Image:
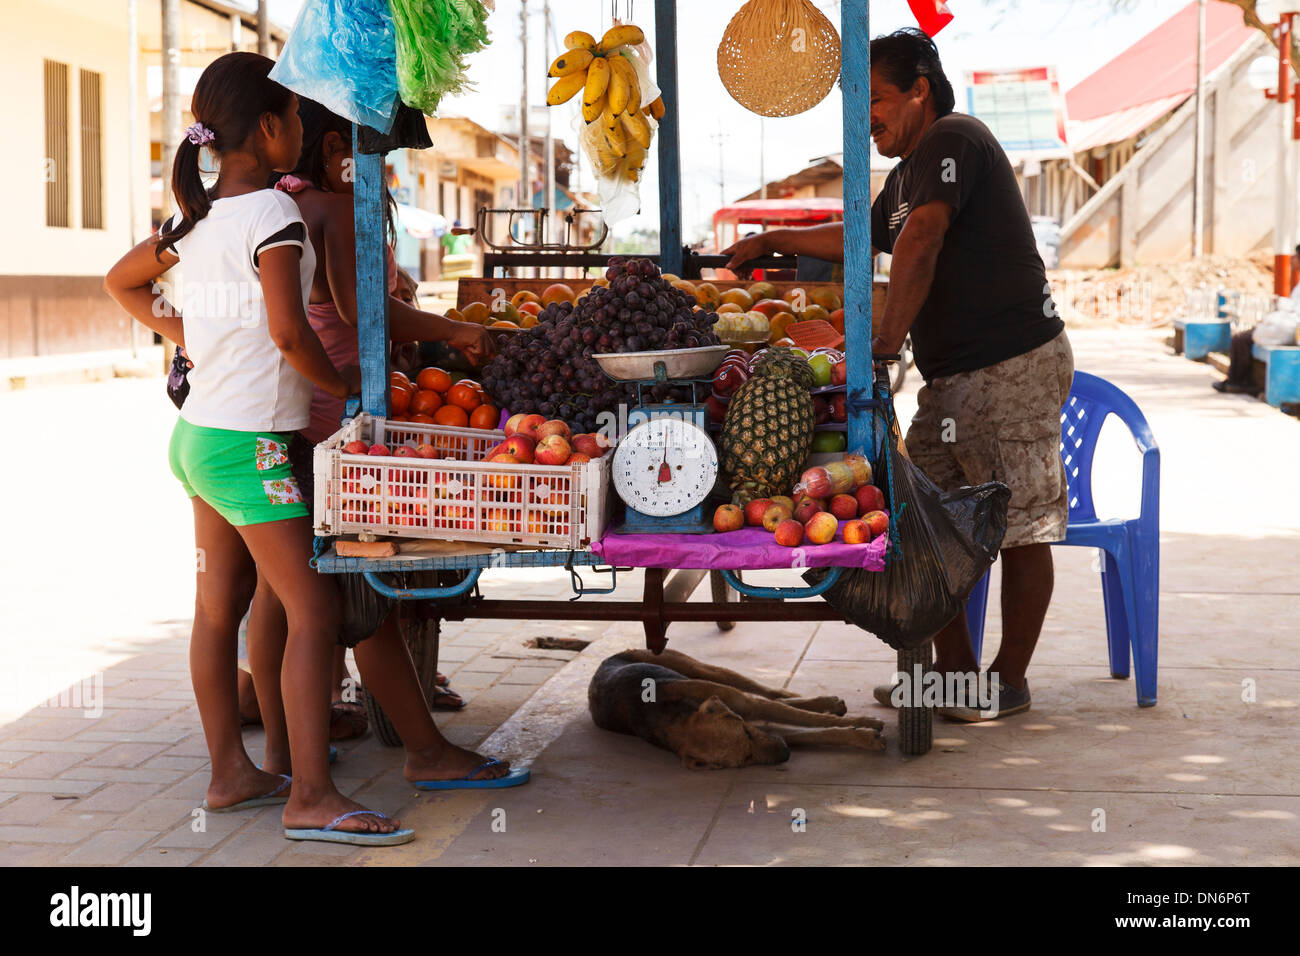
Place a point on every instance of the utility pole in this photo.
(1283, 235)
(549, 201)
(722, 173)
(263, 29)
(1198, 176)
(525, 192)
(762, 166)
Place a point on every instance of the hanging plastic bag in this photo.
(433, 39)
(947, 542)
(618, 178)
(342, 54)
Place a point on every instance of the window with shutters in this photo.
(57, 165)
(92, 153)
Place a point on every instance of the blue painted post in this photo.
(670, 159)
(372, 278)
(855, 75)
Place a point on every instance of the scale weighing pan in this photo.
(694, 363)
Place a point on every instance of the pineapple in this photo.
(768, 431)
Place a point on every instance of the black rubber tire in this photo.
(422, 638)
(723, 593)
(915, 724)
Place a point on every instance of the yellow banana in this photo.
(636, 127)
(656, 109)
(602, 157)
(634, 163)
(597, 84)
(626, 35)
(591, 111)
(614, 134)
(571, 62)
(579, 40)
(564, 88)
(619, 87)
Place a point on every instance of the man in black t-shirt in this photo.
(966, 280)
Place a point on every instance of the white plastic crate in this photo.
(457, 497)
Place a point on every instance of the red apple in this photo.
(784, 500)
(774, 515)
(520, 447)
(877, 521)
(840, 373)
(805, 509)
(844, 507)
(552, 450)
(789, 533)
(553, 427)
(870, 498)
(513, 423)
(821, 410)
(754, 510)
(821, 528)
(729, 378)
(404, 451)
(857, 532)
(356, 448)
(860, 469)
(378, 450)
(717, 409)
(593, 446)
(839, 408)
(578, 458)
(505, 458)
(728, 518)
(426, 451)
(816, 482)
(530, 425)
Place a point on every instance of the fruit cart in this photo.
(444, 585)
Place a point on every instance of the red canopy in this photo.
(782, 212)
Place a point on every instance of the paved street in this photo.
(97, 593)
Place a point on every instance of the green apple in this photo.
(821, 366)
(829, 441)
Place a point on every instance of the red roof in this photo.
(1159, 67)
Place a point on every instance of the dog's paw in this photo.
(865, 739)
(821, 705)
(869, 723)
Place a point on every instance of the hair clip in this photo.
(200, 135)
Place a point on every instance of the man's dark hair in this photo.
(905, 55)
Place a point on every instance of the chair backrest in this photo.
(1091, 400)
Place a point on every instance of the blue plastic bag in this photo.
(343, 55)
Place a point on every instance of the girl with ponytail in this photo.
(247, 265)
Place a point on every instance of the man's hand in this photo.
(746, 250)
(474, 341)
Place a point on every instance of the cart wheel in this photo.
(723, 594)
(422, 641)
(915, 724)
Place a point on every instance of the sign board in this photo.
(1023, 107)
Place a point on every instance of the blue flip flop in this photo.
(267, 800)
(328, 834)
(514, 778)
(334, 754)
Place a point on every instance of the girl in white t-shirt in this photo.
(247, 265)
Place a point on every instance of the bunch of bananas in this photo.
(611, 96)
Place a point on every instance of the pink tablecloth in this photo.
(748, 549)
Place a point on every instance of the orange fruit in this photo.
(424, 419)
(451, 415)
(399, 398)
(837, 320)
(465, 396)
(425, 402)
(485, 416)
(504, 324)
(433, 379)
(398, 378)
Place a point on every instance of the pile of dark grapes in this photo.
(548, 369)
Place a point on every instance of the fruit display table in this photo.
(445, 586)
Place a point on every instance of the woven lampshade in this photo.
(779, 57)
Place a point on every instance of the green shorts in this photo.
(245, 476)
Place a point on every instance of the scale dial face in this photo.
(665, 467)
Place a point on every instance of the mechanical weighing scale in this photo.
(666, 465)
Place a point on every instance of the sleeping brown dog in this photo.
(707, 715)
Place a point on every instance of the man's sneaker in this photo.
(884, 693)
(1008, 701)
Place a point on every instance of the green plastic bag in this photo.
(433, 39)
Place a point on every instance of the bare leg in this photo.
(221, 593)
(310, 602)
(690, 667)
(1027, 581)
(758, 708)
(859, 737)
(267, 633)
(388, 673)
(953, 653)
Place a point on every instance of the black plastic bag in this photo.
(948, 541)
(364, 609)
(178, 378)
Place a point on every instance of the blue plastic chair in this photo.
(1130, 573)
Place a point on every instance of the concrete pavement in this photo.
(97, 582)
